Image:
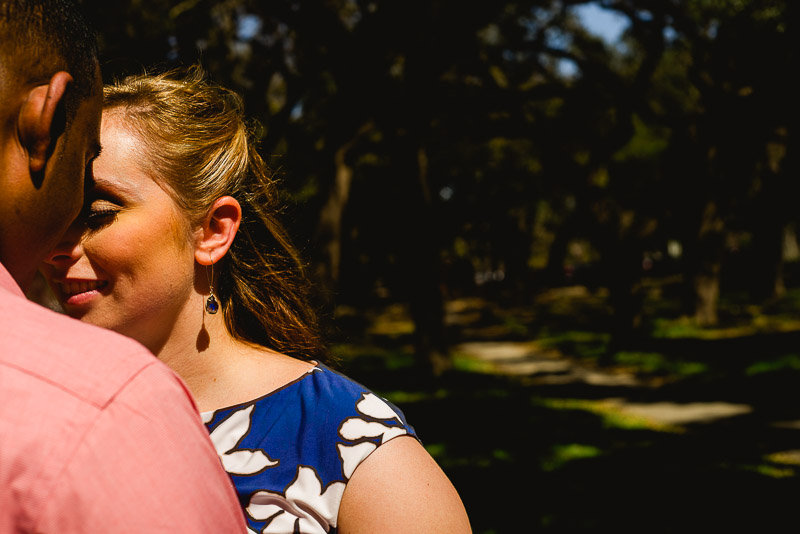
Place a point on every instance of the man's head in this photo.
(50, 105)
(41, 37)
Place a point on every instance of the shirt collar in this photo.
(8, 283)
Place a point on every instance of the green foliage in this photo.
(648, 142)
(563, 454)
(611, 413)
(487, 144)
(789, 362)
(582, 344)
(768, 470)
(655, 362)
(473, 151)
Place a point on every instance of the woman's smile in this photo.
(74, 292)
(126, 263)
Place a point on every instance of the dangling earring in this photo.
(212, 306)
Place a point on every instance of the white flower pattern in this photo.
(305, 502)
(305, 505)
(353, 455)
(357, 428)
(373, 406)
(227, 435)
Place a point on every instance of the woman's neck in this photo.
(219, 370)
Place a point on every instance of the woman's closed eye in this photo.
(99, 213)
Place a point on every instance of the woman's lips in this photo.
(76, 292)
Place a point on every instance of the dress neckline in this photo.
(207, 415)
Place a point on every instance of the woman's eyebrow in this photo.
(112, 186)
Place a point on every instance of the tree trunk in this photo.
(557, 253)
(328, 239)
(706, 290)
(426, 296)
(705, 280)
(622, 261)
(767, 282)
(779, 197)
(328, 234)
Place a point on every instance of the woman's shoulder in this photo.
(324, 398)
(338, 392)
(333, 385)
(323, 419)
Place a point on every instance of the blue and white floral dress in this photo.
(291, 452)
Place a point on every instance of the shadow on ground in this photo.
(644, 451)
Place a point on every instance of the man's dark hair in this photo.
(41, 37)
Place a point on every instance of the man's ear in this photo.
(38, 119)
(218, 230)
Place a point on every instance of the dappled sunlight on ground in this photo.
(685, 429)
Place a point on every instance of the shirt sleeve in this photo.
(145, 465)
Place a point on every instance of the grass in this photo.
(658, 363)
(610, 413)
(788, 362)
(583, 462)
(561, 455)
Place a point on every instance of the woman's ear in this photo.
(37, 119)
(218, 230)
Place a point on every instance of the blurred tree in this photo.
(429, 146)
(727, 145)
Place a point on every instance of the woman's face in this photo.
(126, 263)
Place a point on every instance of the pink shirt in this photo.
(97, 435)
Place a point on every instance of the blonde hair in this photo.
(201, 148)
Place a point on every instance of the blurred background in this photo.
(561, 235)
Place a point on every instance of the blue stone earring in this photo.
(212, 306)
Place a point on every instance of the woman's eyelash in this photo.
(94, 213)
(99, 214)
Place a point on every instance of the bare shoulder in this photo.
(400, 488)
